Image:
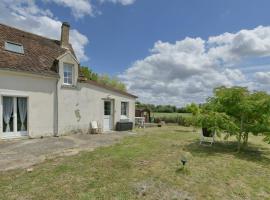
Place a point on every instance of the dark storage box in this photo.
(124, 126)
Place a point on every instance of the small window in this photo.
(124, 108)
(17, 48)
(107, 108)
(68, 74)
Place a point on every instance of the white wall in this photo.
(82, 103)
(41, 96)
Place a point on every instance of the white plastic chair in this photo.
(95, 127)
(140, 122)
(206, 138)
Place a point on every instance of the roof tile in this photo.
(39, 55)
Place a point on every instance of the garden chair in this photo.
(140, 122)
(95, 127)
(207, 136)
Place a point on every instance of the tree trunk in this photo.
(240, 135)
(239, 142)
(245, 142)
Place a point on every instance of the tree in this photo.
(193, 108)
(182, 110)
(243, 111)
(104, 79)
(89, 74)
(112, 81)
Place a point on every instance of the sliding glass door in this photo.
(15, 111)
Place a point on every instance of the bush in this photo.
(180, 120)
(185, 121)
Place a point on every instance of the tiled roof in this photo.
(39, 56)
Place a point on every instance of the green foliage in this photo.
(178, 119)
(216, 122)
(148, 106)
(161, 108)
(89, 74)
(165, 108)
(237, 111)
(182, 110)
(193, 108)
(103, 79)
(112, 81)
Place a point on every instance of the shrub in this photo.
(180, 120)
(185, 121)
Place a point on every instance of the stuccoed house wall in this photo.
(82, 103)
(40, 92)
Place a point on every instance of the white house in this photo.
(42, 92)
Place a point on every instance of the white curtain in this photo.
(22, 104)
(7, 111)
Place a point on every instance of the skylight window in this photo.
(14, 47)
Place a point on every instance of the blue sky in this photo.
(145, 44)
(123, 34)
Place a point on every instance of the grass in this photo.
(146, 166)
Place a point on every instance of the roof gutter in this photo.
(29, 73)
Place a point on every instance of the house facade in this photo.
(42, 92)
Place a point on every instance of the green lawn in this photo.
(146, 166)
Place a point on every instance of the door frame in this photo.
(15, 133)
(112, 114)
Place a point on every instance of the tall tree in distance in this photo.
(112, 81)
(103, 79)
(89, 74)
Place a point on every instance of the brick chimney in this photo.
(65, 35)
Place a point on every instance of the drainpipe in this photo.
(56, 114)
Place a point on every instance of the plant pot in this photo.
(207, 133)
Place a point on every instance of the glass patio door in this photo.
(15, 110)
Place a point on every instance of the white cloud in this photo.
(26, 15)
(245, 43)
(123, 2)
(79, 8)
(263, 77)
(79, 41)
(189, 69)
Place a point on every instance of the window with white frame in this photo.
(124, 108)
(68, 74)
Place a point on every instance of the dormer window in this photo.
(14, 47)
(68, 74)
